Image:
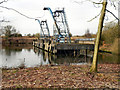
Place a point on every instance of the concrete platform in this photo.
(74, 46)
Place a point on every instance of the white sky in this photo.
(77, 15)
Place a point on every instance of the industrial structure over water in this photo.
(60, 41)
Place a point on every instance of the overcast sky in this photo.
(77, 15)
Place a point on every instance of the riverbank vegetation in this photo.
(110, 38)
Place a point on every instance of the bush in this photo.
(115, 46)
(110, 34)
(16, 35)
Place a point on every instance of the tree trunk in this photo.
(100, 26)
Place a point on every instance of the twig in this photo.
(112, 14)
(87, 0)
(94, 17)
(3, 1)
(96, 6)
(112, 3)
(4, 21)
(94, 2)
(17, 12)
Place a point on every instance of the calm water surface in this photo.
(28, 56)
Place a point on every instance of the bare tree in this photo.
(9, 30)
(100, 26)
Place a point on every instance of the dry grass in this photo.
(115, 46)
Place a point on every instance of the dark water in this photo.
(28, 56)
(106, 58)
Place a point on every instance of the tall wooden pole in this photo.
(100, 26)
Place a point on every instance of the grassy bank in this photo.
(113, 48)
(72, 76)
(110, 39)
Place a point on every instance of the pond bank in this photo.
(69, 76)
(18, 40)
(112, 48)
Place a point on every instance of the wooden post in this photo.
(74, 53)
(85, 55)
(50, 47)
(33, 43)
(79, 52)
(54, 50)
(100, 26)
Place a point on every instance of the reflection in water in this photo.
(108, 58)
(28, 56)
(19, 57)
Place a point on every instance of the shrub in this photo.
(110, 34)
(115, 46)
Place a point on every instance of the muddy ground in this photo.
(70, 76)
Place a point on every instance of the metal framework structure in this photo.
(61, 28)
(44, 30)
(44, 27)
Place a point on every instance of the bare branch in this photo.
(94, 2)
(94, 17)
(87, 0)
(96, 6)
(112, 14)
(17, 12)
(113, 4)
(3, 1)
(4, 21)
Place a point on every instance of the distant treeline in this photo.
(10, 31)
(18, 40)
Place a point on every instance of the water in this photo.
(28, 56)
(18, 56)
(106, 58)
